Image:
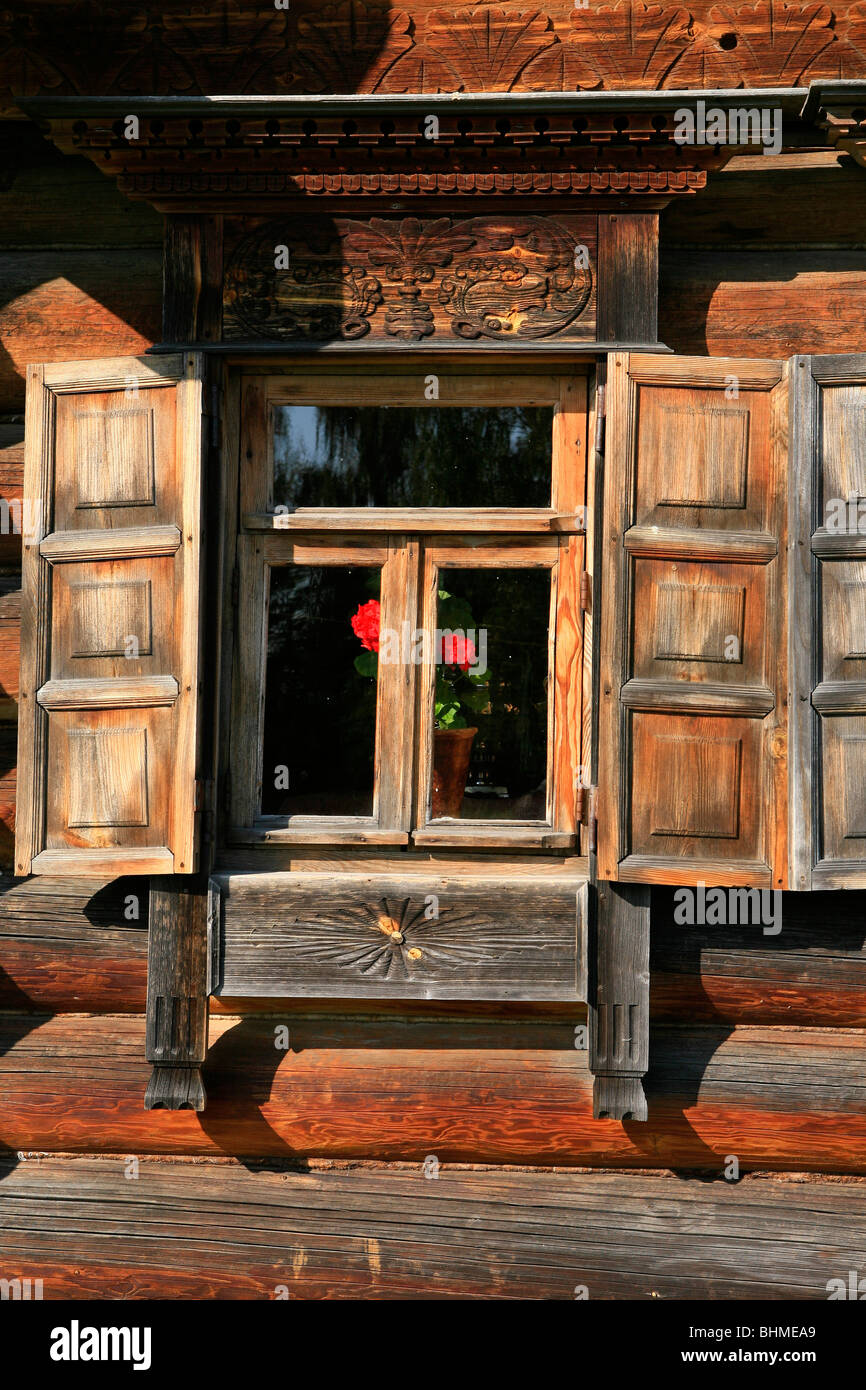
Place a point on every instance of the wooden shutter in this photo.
(692, 701)
(110, 632)
(828, 623)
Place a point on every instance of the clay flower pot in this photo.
(452, 749)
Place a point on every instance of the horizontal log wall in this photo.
(91, 1229)
(758, 1043)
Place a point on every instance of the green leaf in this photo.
(367, 664)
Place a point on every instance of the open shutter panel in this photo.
(828, 635)
(692, 703)
(110, 636)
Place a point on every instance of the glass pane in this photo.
(320, 710)
(395, 456)
(492, 678)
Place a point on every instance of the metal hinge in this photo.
(600, 416)
(587, 813)
(585, 591)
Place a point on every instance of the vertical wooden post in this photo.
(628, 277)
(178, 986)
(192, 274)
(619, 1001)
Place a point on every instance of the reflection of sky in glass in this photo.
(406, 456)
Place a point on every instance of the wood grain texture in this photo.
(108, 744)
(767, 303)
(372, 937)
(692, 717)
(56, 306)
(427, 47)
(222, 1232)
(70, 947)
(469, 1091)
(440, 279)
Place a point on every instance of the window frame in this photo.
(404, 541)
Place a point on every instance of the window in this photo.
(409, 647)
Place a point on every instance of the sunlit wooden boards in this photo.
(693, 603)
(224, 1232)
(359, 936)
(828, 623)
(110, 638)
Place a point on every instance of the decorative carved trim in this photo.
(842, 115)
(231, 158)
(505, 279)
(366, 46)
(389, 939)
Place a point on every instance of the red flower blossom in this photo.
(458, 650)
(365, 624)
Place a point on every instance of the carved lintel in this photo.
(175, 1088)
(619, 1001)
(178, 965)
(508, 279)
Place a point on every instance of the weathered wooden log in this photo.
(761, 303)
(81, 947)
(113, 1229)
(465, 1091)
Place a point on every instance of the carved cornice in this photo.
(185, 47)
(225, 154)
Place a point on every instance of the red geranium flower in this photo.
(365, 624)
(458, 651)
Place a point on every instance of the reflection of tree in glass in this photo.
(389, 456)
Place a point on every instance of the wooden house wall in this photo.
(307, 1168)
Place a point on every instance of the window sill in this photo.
(477, 835)
(446, 520)
(265, 835)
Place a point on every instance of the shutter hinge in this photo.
(600, 416)
(585, 591)
(587, 813)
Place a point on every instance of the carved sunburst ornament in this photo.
(392, 939)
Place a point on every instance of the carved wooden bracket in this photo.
(179, 978)
(839, 109)
(619, 1001)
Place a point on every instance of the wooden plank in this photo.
(397, 938)
(127, 692)
(628, 265)
(222, 1231)
(178, 972)
(68, 946)
(619, 1002)
(450, 520)
(66, 304)
(491, 1091)
(124, 543)
(192, 278)
(735, 302)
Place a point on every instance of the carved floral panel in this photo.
(496, 279)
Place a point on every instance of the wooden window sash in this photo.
(563, 557)
(494, 536)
